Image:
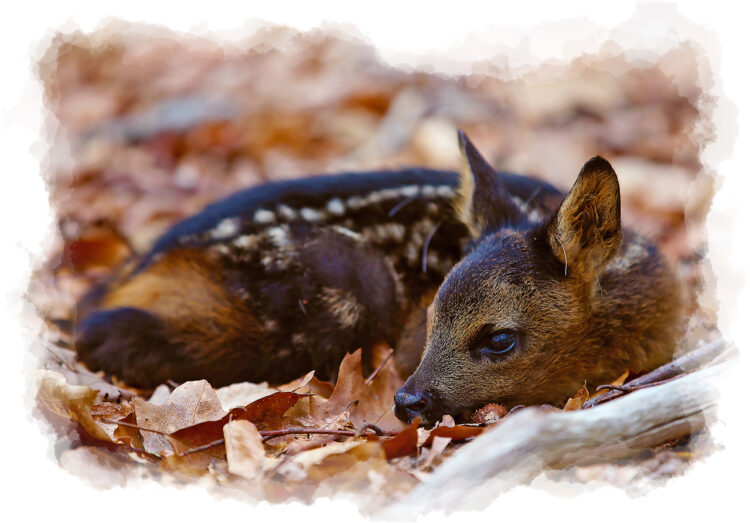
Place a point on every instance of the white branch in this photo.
(530, 440)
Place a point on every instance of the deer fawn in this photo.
(536, 292)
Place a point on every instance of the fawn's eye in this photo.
(496, 345)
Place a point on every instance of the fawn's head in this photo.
(509, 323)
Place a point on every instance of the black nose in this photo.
(409, 404)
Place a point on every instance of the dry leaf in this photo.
(577, 401)
(244, 448)
(374, 401)
(189, 404)
(70, 401)
(457, 433)
(241, 394)
(403, 443)
(439, 444)
(267, 413)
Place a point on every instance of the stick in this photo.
(270, 434)
(523, 445)
(380, 367)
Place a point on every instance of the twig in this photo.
(133, 426)
(207, 446)
(682, 365)
(377, 430)
(630, 388)
(380, 367)
(60, 359)
(270, 434)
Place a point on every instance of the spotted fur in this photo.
(282, 278)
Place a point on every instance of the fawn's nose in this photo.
(408, 404)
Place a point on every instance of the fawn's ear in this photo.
(482, 202)
(585, 232)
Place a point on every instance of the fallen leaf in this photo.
(70, 401)
(439, 444)
(577, 401)
(189, 404)
(457, 433)
(266, 413)
(403, 443)
(241, 394)
(244, 448)
(374, 401)
(295, 385)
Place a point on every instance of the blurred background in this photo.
(149, 127)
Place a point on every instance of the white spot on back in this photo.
(264, 216)
(286, 212)
(347, 232)
(246, 241)
(310, 215)
(278, 236)
(336, 207)
(446, 191)
(429, 191)
(409, 190)
(342, 305)
(355, 202)
(225, 228)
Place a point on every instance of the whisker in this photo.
(426, 245)
(400, 205)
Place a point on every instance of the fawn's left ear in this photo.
(585, 232)
(482, 202)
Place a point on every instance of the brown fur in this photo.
(180, 287)
(585, 304)
(175, 318)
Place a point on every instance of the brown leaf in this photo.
(577, 401)
(439, 444)
(102, 412)
(189, 404)
(242, 394)
(457, 433)
(267, 413)
(403, 443)
(244, 448)
(70, 401)
(303, 461)
(373, 401)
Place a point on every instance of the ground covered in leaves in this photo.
(150, 127)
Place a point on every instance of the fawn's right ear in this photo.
(482, 202)
(585, 232)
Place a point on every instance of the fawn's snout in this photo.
(410, 402)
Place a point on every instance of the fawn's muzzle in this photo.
(410, 403)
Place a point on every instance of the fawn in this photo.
(534, 292)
